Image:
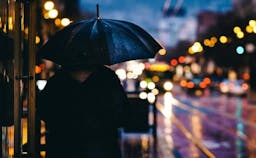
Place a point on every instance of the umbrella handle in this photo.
(97, 11)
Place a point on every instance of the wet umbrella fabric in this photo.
(99, 41)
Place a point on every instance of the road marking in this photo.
(186, 132)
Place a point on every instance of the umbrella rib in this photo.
(133, 33)
(77, 28)
(100, 30)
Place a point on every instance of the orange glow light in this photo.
(246, 76)
(190, 85)
(174, 62)
(155, 78)
(181, 59)
(245, 86)
(183, 83)
(202, 85)
(207, 80)
(42, 66)
(38, 69)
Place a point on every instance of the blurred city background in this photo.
(200, 90)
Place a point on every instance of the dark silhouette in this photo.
(6, 100)
(83, 109)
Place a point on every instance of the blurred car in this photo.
(156, 78)
(233, 87)
(215, 82)
(195, 86)
(164, 85)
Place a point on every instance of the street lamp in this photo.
(65, 22)
(53, 13)
(48, 5)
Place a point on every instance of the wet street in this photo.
(209, 126)
(213, 125)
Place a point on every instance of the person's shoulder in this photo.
(57, 79)
(54, 78)
(105, 73)
(106, 70)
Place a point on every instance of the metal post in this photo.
(32, 145)
(155, 129)
(17, 71)
(252, 81)
(1, 141)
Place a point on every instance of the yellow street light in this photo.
(240, 35)
(53, 13)
(249, 29)
(223, 39)
(10, 20)
(57, 22)
(237, 29)
(65, 22)
(162, 51)
(37, 39)
(214, 39)
(252, 23)
(190, 51)
(48, 5)
(207, 42)
(197, 47)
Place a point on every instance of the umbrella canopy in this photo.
(99, 41)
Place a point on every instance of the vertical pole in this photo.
(16, 71)
(252, 81)
(155, 129)
(1, 141)
(31, 84)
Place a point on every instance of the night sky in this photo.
(149, 14)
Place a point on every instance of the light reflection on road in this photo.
(224, 125)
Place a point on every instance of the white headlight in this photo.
(151, 85)
(143, 95)
(168, 85)
(151, 97)
(143, 84)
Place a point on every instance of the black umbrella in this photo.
(99, 41)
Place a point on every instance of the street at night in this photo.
(130, 79)
(213, 125)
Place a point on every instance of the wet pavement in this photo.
(209, 126)
(213, 125)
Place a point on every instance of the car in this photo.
(195, 86)
(233, 87)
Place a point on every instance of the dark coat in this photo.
(82, 118)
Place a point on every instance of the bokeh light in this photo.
(240, 50)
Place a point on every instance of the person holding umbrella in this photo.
(84, 103)
(83, 108)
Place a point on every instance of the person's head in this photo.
(80, 67)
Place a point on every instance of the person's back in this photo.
(82, 117)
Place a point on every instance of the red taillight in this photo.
(245, 86)
(190, 85)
